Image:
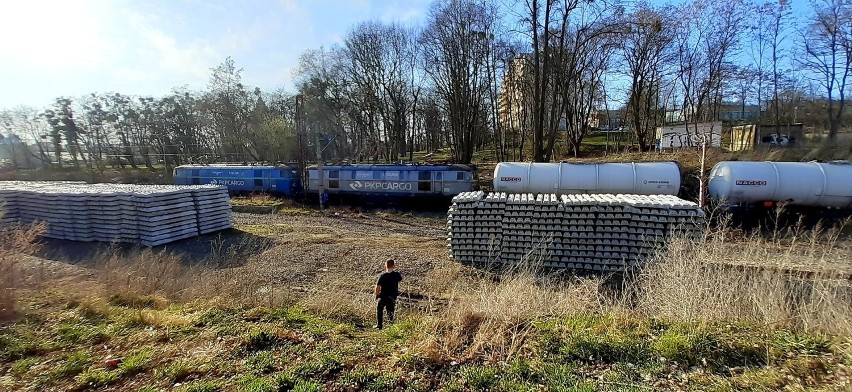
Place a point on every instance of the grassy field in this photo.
(296, 314)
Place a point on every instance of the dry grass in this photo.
(796, 279)
(490, 316)
(145, 273)
(16, 241)
(799, 280)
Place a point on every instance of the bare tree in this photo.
(705, 40)
(454, 56)
(590, 43)
(828, 47)
(645, 49)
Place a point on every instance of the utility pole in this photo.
(300, 131)
(321, 179)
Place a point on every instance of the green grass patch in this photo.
(74, 364)
(306, 386)
(328, 362)
(136, 362)
(81, 332)
(802, 344)
(23, 365)
(181, 369)
(684, 346)
(217, 317)
(97, 378)
(760, 379)
(475, 378)
(200, 386)
(16, 345)
(299, 317)
(249, 383)
(369, 378)
(399, 330)
(261, 362)
(259, 339)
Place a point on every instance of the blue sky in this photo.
(52, 48)
(74, 47)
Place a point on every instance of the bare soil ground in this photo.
(309, 249)
(300, 252)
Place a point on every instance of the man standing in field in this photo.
(387, 289)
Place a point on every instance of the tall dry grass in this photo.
(16, 242)
(491, 315)
(163, 274)
(795, 278)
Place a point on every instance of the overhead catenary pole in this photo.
(321, 179)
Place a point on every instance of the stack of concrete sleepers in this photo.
(464, 240)
(111, 215)
(146, 214)
(8, 207)
(165, 215)
(212, 208)
(590, 232)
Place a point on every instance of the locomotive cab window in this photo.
(438, 175)
(425, 183)
(334, 174)
(460, 176)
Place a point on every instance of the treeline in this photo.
(226, 122)
(522, 80)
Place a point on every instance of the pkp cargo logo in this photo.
(511, 179)
(751, 182)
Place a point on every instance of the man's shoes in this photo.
(377, 326)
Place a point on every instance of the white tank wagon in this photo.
(811, 184)
(637, 178)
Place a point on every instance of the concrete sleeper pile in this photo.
(591, 232)
(150, 215)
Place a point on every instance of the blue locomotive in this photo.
(393, 180)
(360, 180)
(285, 180)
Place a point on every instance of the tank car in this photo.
(393, 180)
(644, 178)
(764, 184)
(279, 179)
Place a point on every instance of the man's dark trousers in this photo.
(385, 302)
